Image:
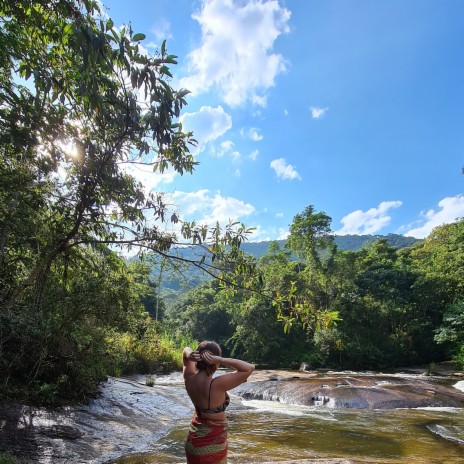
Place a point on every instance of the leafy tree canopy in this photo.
(81, 106)
(81, 102)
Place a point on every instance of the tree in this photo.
(311, 239)
(81, 104)
(441, 258)
(451, 331)
(310, 235)
(203, 314)
(98, 104)
(388, 312)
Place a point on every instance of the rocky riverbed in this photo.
(129, 417)
(345, 390)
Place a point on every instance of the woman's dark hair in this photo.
(214, 348)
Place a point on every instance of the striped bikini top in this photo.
(208, 410)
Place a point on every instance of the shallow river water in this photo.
(268, 431)
(131, 423)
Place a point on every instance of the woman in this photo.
(207, 437)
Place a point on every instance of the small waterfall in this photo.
(459, 385)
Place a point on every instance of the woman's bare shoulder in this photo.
(230, 380)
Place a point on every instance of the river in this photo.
(271, 431)
(131, 423)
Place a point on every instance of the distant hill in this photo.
(355, 242)
(191, 277)
(344, 242)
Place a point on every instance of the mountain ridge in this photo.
(344, 242)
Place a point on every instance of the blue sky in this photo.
(353, 106)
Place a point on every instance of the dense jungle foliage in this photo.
(80, 102)
(375, 308)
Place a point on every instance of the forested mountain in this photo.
(343, 242)
(186, 277)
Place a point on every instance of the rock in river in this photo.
(357, 391)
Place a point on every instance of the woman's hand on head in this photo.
(194, 356)
(209, 358)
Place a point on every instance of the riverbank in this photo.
(126, 417)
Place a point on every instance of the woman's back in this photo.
(207, 396)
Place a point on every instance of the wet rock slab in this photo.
(127, 417)
(353, 391)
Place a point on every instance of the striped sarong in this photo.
(206, 441)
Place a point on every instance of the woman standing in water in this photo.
(207, 437)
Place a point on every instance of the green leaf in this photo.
(182, 93)
(138, 37)
(68, 29)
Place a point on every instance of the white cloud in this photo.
(451, 208)
(367, 222)
(317, 113)
(207, 208)
(255, 135)
(251, 133)
(207, 124)
(162, 29)
(279, 215)
(237, 173)
(227, 145)
(259, 101)
(254, 154)
(283, 234)
(225, 148)
(259, 235)
(192, 202)
(149, 179)
(284, 170)
(235, 55)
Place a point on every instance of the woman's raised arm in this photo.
(243, 370)
(189, 360)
